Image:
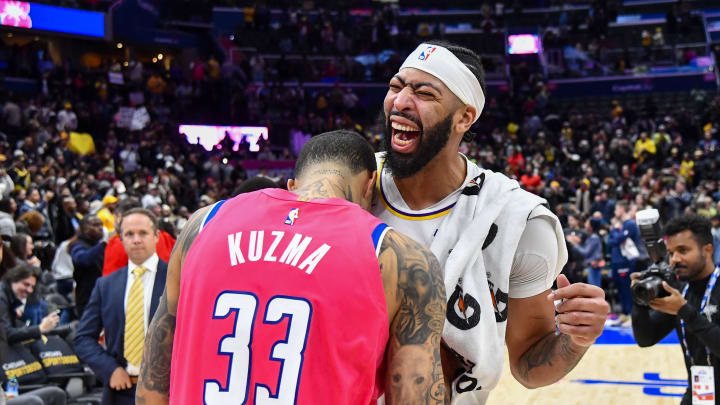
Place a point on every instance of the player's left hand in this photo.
(670, 304)
(582, 312)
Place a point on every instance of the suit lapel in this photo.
(117, 303)
(158, 287)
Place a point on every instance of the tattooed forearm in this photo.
(552, 351)
(417, 324)
(154, 381)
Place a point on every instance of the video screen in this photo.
(523, 44)
(210, 136)
(34, 16)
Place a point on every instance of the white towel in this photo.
(476, 245)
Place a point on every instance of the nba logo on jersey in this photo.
(292, 216)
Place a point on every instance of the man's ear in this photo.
(466, 117)
(369, 186)
(708, 250)
(291, 184)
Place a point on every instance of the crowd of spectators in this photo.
(583, 37)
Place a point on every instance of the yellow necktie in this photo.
(135, 320)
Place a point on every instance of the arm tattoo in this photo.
(417, 326)
(155, 373)
(551, 347)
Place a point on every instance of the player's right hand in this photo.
(120, 380)
(634, 278)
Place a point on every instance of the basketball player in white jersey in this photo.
(500, 248)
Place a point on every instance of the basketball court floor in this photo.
(614, 371)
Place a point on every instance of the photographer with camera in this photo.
(690, 310)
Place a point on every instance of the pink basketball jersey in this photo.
(282, 302)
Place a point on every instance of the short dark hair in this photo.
(127, 204)
(472, 61)
(5, 204)
(86, 220)
(18, 244)
(141, 211)
(577, 215)
(344, 147)
(20, 272)
(254, 184)
(166, 226)
(698, 225)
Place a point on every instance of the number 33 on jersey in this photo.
(237, 345)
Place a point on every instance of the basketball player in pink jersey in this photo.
(299, 297)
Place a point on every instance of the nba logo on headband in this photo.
(425, 55)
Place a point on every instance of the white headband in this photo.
(441, 63)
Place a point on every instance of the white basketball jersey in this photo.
(420, 225)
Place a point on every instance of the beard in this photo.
(695, 268)
(432, 141)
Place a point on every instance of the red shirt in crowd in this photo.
(531, 183)
(116, 258)
(516, 162)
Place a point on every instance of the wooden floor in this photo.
(625, 371)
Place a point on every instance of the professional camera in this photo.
(650, 286)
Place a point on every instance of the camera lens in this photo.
(641, 294)
(647, 290)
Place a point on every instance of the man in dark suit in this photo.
(123, 304)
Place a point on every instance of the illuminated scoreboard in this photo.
(39, 17)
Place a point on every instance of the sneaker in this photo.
(611, 319)
(618, 321)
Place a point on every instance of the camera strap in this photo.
(706, 298)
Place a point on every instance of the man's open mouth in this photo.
(405, 138)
